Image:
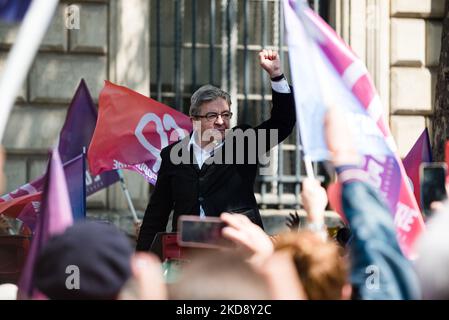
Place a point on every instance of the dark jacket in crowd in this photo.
(379, 270)
(219, 186)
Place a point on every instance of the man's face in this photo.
(214, 120)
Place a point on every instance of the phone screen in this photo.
(433, 187)
(196, 232)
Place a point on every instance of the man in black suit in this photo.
(214, 169)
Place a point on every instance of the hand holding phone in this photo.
(200, 232)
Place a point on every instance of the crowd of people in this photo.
(93, 260)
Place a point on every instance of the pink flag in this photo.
(131, 131)
(14, 207)
(351, 86)
(419, 153)
(55, 217)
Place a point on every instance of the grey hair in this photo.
(204, 94)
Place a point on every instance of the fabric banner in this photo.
(131, 132)
(319, 56)
(420, 153)
(55, 217)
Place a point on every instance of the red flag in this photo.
(15, 206)
(131, 131)
(334, 197)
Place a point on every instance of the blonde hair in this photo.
(321, 267)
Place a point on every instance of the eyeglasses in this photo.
(213, 116)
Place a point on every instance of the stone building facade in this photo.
(399, 40)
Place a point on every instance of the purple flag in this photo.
(13, 10)
(76, 135)
(55, 217)
(419, 153)
(74, 173)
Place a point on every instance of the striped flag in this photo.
(325, 72)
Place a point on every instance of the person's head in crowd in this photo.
(221, 275)
(257, 248)
(147, 281)
(322, 269)
(280, 272)
(90, 260)
(433, 257)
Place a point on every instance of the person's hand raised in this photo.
(270, 62)
(248, 237)
(314, 199)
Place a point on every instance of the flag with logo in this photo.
(24, 204)
(74, 138)
(132, 130)
(325, 73)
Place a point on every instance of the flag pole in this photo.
(20, 58)
(127, 196)
(322, 84)
(309, 168)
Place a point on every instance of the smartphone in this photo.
(201, 232)
(433, 186)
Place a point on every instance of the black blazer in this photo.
(222, 187)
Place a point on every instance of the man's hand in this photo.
(269, 60)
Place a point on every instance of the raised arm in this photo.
(283, 116)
